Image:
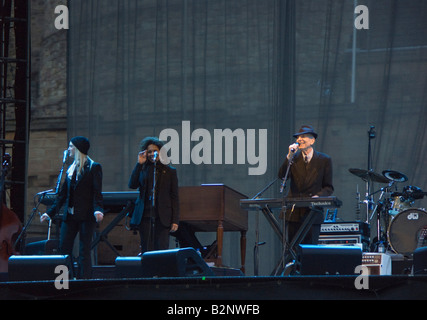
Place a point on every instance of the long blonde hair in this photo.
(78, 164)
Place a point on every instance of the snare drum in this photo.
(406, 230)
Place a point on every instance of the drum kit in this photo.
(400, 225)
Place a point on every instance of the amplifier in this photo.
(377, 263)
(340, 239)
(345, 233)
(345, 228)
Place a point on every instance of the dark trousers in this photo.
(69, 230)
(161, 235)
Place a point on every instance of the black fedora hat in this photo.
(305, 129)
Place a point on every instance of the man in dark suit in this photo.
(310, 175)
(81, 195)
(155, 218)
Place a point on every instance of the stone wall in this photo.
(48, 128)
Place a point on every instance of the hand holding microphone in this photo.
(292, 149)
(151, 155)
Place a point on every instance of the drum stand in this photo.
(381, 208)
(369, 199)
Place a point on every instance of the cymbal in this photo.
(395, 176)
(368, 175)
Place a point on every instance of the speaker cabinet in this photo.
(184, 262)
(37, 268)
(328, 260)
(42, 247)
(420, 261)
(129, 267)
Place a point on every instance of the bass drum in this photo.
(405, 230)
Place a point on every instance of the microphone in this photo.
(64, 157)
(294, 149)
(155, 155)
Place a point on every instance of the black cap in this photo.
(81, 143)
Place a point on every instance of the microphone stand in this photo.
(41, 195)
(153, 202)
(369, 198)
(21, 237)
(58, 183)
(290, 163)
(282, 188)
(378, 210)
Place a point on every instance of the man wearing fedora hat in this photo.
(81, 195)
(310, 175)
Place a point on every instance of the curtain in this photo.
(385, 65)
(139, 67)
(197, 69)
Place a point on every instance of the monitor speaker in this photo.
(38, 268)
(42, 247)
(184, 262)
(420, 261)
(128, 267)
(328, 260)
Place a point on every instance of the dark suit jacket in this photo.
(308, 180)
(87, 194)
(166, 195)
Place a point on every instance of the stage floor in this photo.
(217, 288)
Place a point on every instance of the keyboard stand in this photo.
(103, 236)
(289, 257)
